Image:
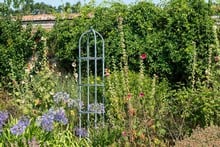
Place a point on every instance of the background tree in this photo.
(42, 8)
(27, 7)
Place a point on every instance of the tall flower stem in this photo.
(208, 73)
(217, 57)
(216, 39)
(194, 65)
(125, 70)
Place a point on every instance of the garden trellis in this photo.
(91, 80)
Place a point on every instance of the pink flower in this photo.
(217, 58)
(141, 94)
(123, 133)
(143, 56)
(129, 96)
(107, 72)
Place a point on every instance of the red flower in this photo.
(141, 94)
(129, 96)
(143, 56)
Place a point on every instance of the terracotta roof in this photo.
(38, 17)
(48, 17)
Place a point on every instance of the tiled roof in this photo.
(38, 17)
(41, 17)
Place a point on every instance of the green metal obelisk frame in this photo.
(91, 79)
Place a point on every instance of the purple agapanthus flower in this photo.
(81, 132)
(46, 121)
(61, 97)
(70, 103)
(60, 116)
(20, 127)
(3, 118)
(96, 107)
(79, 103)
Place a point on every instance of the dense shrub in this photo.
(188, 109)
(7, 103)
(18, 48)
(209, 136)
(169, 34)
(15, 49)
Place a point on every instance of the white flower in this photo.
(74, 64)
(76, 75)
(54, 65)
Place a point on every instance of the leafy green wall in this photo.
(169, 34)
(175, 36)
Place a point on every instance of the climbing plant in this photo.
(166, 33)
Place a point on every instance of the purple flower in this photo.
(3, 118)
(81, 132)
(46, 121)
(60, 116)
(70, 103)
(79, 104)
(20, 127)
(61, 97)
(75, 103)
(96, 107)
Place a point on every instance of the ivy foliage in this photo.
(18, 47)
(15, 48)
(169, 34)
(189, 23)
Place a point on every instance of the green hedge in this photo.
(174, 35)
(168, 34)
